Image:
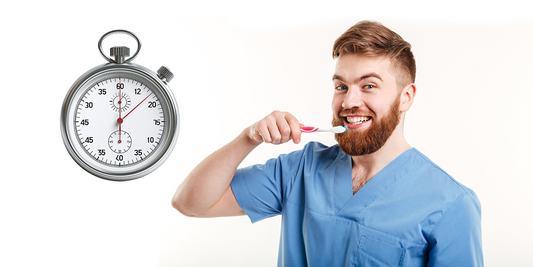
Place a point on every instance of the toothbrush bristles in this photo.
(339, 129)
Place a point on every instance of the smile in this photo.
(357, 120)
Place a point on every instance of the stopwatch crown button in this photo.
(119, 52)
(164, 73)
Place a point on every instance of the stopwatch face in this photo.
(106, 120)
(120, 123)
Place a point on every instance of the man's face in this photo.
(366, 100)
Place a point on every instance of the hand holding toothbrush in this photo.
(281, 127)
(276, 128)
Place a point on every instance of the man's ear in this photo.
(407, 97)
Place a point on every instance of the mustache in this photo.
(356, 111)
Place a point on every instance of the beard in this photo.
(357, 143)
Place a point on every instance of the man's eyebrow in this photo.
(370, 75)
(365, 76)
(337, 77)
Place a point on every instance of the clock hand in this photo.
(120, 120)
(119, 111)
(119, 130)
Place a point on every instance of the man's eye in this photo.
(341, 87)
(369, 86)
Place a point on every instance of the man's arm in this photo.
(206, 192)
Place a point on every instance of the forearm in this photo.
(206, 191)
(207, 183)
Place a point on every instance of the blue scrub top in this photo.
(411, 213)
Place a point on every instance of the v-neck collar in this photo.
(349, 205)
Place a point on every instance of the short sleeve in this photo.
(456, 238)
(260, 189)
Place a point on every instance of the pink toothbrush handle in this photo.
(308, 129)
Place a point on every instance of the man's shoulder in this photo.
(428, 169)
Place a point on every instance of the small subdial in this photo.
(119, 142)
(122, 101)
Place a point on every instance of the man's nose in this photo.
(352, 99)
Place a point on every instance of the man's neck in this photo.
(365, 167)
(381, 158)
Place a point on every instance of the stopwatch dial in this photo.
(121, 101)
(119, 142)
(119, 121)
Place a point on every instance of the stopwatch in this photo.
(120, 120)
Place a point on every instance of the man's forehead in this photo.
(359, 67)
(358, 60)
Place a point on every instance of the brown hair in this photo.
(373, 39)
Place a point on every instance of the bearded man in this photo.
(371, 200)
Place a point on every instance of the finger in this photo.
(285, 131)
(295, 126)
(286, 127)
(277, 127)
(264, 129)
(267, 128)
(275, 133)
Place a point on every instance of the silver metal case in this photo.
(157, 83)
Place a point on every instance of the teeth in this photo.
(357, 120)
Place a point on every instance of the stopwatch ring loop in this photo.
(119, 31)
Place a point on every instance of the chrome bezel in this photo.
(162, 150)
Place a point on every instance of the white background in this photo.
(235, 62)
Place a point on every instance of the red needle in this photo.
(119, 111)
(120, 120)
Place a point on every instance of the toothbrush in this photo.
(336, 129)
